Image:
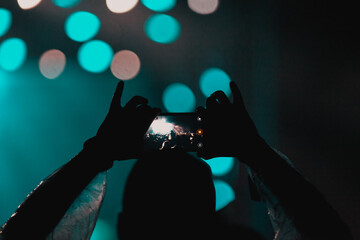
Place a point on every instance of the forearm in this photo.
(46, 205)
(309, 211)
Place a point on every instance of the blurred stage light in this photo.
(178, 97)
(162, 28)
(52, 63)
(103, 230)
(28, 4)
(125, 65)
(159, 5)
(220, 166)
(214, 79)
(203, 7)
(13, 53)
(82, 26)
(95, 56)
(66, 3)
(224, 194)
(5, 21)
(121, 6)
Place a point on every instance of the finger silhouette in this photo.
(136, 101)
(221, 97)
(115, 102)
(237, 94)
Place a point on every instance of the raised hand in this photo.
(228, 128)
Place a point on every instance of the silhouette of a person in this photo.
(65, 205)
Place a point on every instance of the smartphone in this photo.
(175, 131)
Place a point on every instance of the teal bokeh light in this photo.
(162, 28)
(5, 21)
(178, 97)
(13, 53)
(220, 166)
(214, 79)
(224, 194)
(82, 26)
(159, 5)
(95, 56)
(66, 3)
(103, 230)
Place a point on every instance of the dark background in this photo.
(297, 63)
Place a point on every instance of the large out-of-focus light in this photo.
(162, 28)
(159, 5)
(95, 56)
(13, 53)
(28, 4)
(224, 194)
(5, 21)
(52, 63)
(178, 97)
(66, 3)
(203, 7)
(220, 166)
(125, 65)
(121, 6)
(214, 79)
(82, 26)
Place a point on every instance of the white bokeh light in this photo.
(121, 6)
(28, 4)
(203, 7)
(52, 63)
(125, 65)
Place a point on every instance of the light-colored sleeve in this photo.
(79, 221)
(283, 226)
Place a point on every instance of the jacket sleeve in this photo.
(79, 221)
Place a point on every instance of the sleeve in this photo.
(79, 221)
(282, 224)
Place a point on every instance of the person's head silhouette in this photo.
(167, 192)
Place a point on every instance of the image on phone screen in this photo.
(174, 131)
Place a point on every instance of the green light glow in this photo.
(178, 97)
(162, 28)
(82, 26)
(5, 21)
(214, 79)
(159, 5)
(13, 53)
(95, 56)
(220, 166)
(66, 3)
(224, 194)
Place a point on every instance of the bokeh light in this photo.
(203, 7)
(95, 56)
(52, 63)
(178, 97)
(121, 6)
(220, 166)
(13, 53)
(125, 65)
(214, 79)
(159, 5)
(82, 26)
(66, 3)
(162, 28)
(5, 21)
(224, 194)
(28, 4)
(103, 230)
